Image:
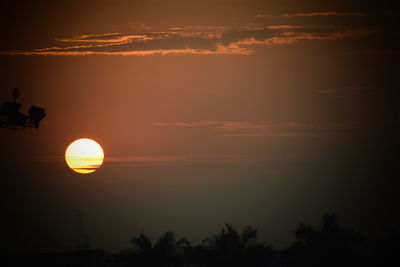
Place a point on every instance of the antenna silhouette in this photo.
(12, 119)
(79, 230)
(15, 94)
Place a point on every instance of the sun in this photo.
(84, 156)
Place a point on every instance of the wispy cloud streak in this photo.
(266, 128)
(206, 158)
(165, 160)
(311, 14)
(344, 92)
(195, 40)
(222, 51)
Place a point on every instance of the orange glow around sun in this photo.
(84, 156)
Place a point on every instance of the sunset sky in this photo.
(266, 113)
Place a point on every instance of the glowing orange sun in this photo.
(84, 156)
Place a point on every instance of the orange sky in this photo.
(249, 112)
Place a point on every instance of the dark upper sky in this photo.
(250, 112)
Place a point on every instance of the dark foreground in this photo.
(326, 245)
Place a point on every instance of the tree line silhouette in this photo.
(228, 247)
(327, 245)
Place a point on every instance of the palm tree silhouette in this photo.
(330, 245)
(238, 249)
(159, 254)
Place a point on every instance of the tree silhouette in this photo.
(143, 245)
(164, 248)
(231, 248)
(385, 251)
(330, 245)
(161, 254)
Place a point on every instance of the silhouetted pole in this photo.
(79, 230)
(15, 94)
(86, 242)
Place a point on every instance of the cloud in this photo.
(311, 14)
(293, 37)
(346, 91)
(283, 27)
(376, 52)
(220, 51)
(147, 159)
(266, 128)
(168, 160)
(106, 38)
(206, 158)
(193, 40)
